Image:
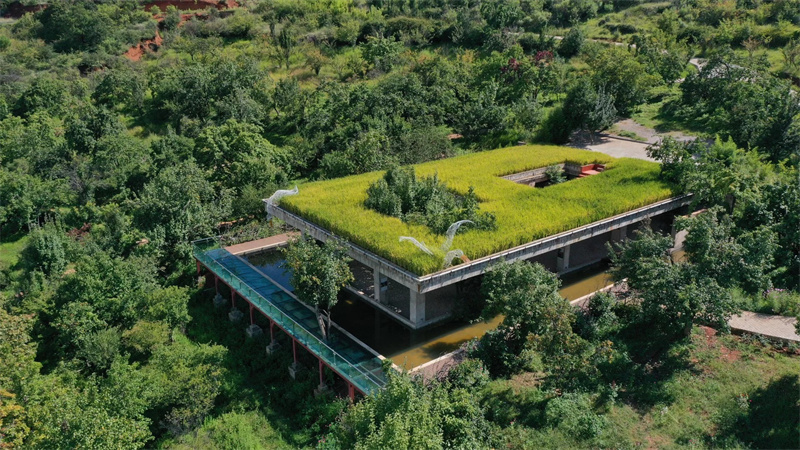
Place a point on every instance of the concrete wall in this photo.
(595, 234)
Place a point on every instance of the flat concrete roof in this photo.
(523, 213)
(442, 278)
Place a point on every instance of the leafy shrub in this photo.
(382, 53)
(100, 349)
(233, 431)
(426, 201)
(46, 249)
(555, 174)
(501, 354)
(470, 374)
(774, 301)
(572, 44)
(573, 414)
(600, 319)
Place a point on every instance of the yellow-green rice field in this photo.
(523, 213)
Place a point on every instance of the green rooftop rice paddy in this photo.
(523, 213)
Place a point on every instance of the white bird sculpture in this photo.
(449, 255)
(451, 233)
(279, 194)
(420, 245)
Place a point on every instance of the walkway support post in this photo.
(233, 298)
(293, 367)
(198, 266)
(273, 345)
(216, 283)
(351, 392)
(252, 321)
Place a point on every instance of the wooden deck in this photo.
(261, 244)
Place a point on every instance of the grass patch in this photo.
(11, 247)
(627, 134)
(523, 213)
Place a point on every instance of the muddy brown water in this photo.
(408, 348)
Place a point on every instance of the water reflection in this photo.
(409, 348)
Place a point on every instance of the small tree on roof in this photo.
(318, 274)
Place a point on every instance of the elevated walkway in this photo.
(261, 244)
(345, 355)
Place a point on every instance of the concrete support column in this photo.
(416, 308)
(562, 259)
(252, 320)
(233, 298)
(216, 283)
(380, 286)
(619, 234)
(376, 285)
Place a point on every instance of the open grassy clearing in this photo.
(523, 213)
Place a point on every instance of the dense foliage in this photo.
(127, 131)
(425, 202)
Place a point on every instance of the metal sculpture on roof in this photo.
(279, 194)
(449, 255)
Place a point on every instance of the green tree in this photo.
(743, 100)
(179, 205)
(287, 41)
(172, 18)
(409, 414)
(188, 378)
(318, 274)
(674, 296)
(536, 317)
(71, 26)
(382, 53)
(45, 93)
(624, 78)
(72, 413)
(573, 42)
(46, 248)
(590, 108)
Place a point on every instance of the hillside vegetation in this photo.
(128, 131)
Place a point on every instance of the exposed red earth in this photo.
(192, 5)
(136, 52)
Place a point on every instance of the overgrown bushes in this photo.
(426, 201)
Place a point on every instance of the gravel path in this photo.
(623, 147)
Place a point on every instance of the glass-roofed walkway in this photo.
(345, 355)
